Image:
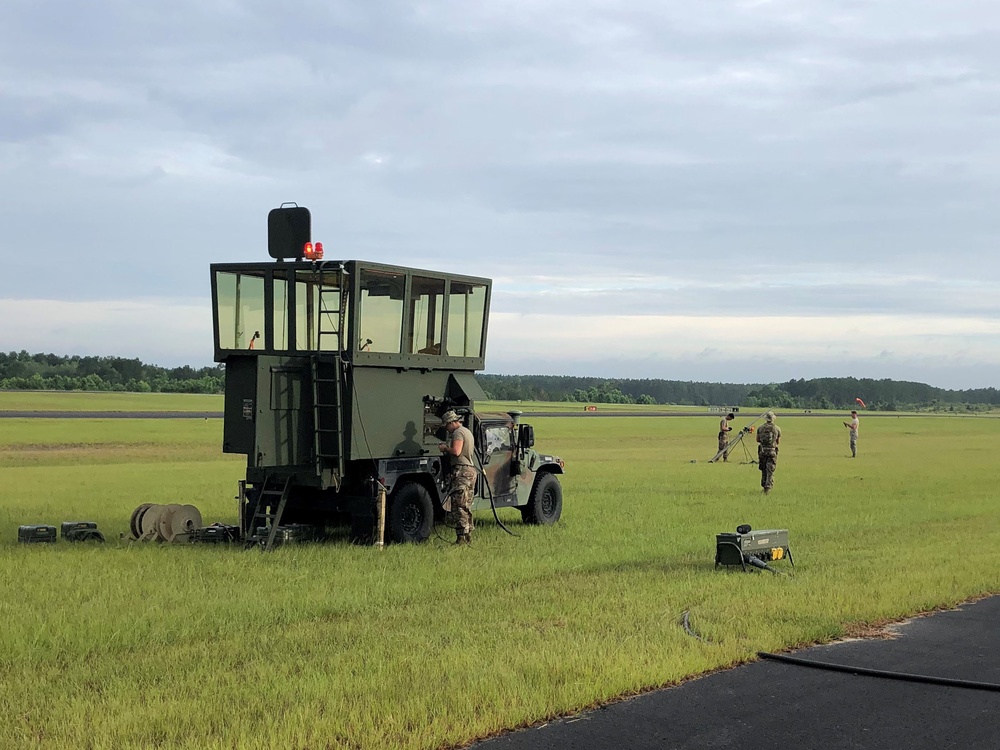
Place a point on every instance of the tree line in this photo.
(52, 372)
(24, 371)
(818, 393)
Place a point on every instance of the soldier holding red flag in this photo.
(853, 427)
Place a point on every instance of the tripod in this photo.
(731, 445)
(738, 440)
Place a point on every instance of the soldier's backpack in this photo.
(766, 437)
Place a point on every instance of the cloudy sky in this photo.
(726, 190)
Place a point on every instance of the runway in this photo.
(937, 686)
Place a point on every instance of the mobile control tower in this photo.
(337, 374)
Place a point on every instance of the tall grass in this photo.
(315, 646)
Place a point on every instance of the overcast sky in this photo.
(720, 190)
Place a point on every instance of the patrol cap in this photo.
(769, 416)
(450, 416)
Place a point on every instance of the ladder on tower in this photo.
(268, 511)
(328, 379)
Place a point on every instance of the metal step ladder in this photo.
(328, 379)
(268, 511)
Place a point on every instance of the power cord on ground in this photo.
(927, 679)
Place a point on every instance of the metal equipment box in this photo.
(291, 533)
(217, 534)
(36, 534)
(767, 546)
(80, 531)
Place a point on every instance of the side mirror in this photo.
(525, 436)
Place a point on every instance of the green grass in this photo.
(141, 645)
(573, 407)
(111, 401)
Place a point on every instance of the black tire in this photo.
(545, 504)
(411, 514)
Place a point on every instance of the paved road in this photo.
(772, 704)
(527, 414)
(111, 414)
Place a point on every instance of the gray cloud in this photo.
(838, 156)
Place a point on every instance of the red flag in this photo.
(861, 402)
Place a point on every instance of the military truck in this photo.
(337, 374)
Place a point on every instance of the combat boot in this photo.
(463, 539)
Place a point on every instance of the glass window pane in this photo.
(240, 303)
(426, 315)
(466, 317)
(317, 312)
(281, 322)
(381, 315)
(305, 304)
(498, 439)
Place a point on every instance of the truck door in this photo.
(497, 455)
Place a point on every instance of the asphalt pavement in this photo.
(935, 685)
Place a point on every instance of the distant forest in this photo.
(820, 393)
(24, 371)
(52, 372)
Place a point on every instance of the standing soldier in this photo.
(724, 430)
(459, 448)
(853, 427)
(768, 437)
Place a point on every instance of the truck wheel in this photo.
(411, 514)
(545, 504)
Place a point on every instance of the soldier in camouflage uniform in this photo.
(459, 447)
(768, 437)
(724, 430)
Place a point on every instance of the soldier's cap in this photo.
(769, 416)
(450, 416)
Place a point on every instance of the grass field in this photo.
(107, 401)
(326, 646)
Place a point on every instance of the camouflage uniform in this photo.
(461, 480)
(853, 426)
(461, 486)
(767, 451)
(724, 430)
(723, 444)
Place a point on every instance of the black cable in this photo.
(756, 562)
(685, 621)
(486, 484)
(443, 522)
(930, 680)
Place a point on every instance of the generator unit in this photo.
(337, 375)
(754, 548)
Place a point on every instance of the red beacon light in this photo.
(313, 251)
